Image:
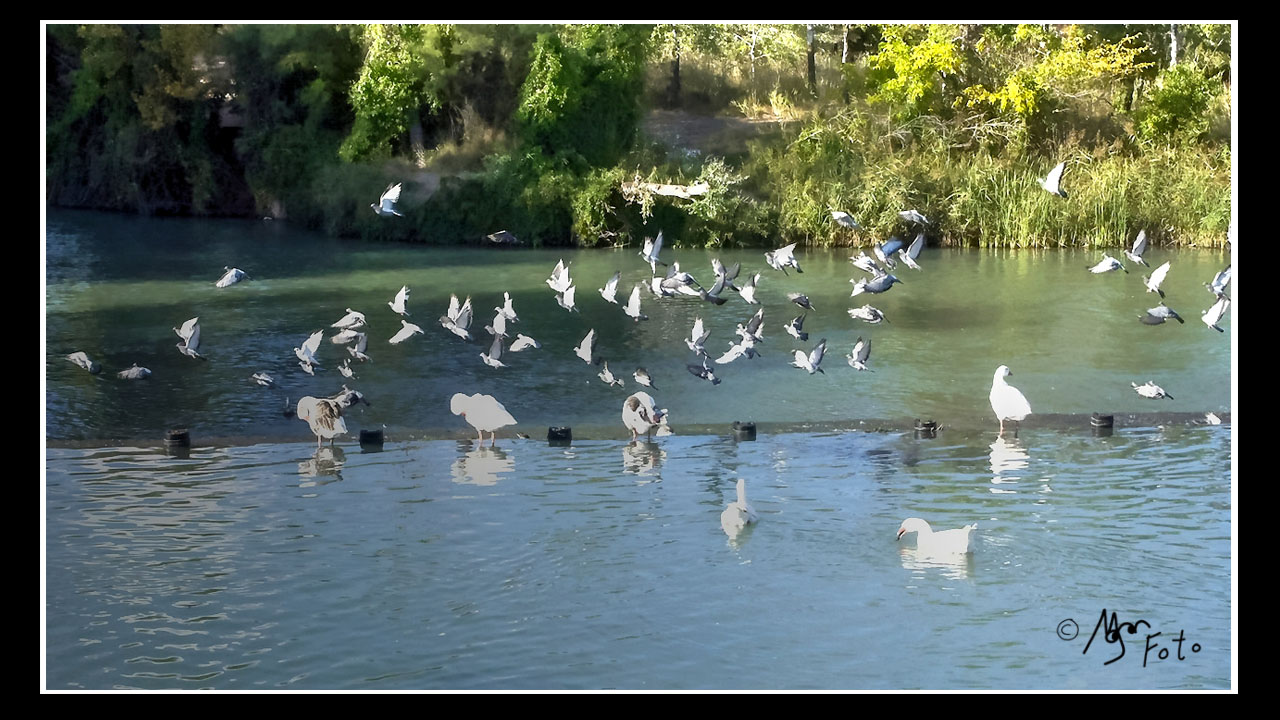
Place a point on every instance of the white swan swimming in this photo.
(739, 513)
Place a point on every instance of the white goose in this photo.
(945, 542)
(1006, 400)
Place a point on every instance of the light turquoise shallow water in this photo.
(260, 562)
(603, 565)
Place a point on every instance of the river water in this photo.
(257, 561)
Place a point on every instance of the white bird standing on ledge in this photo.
(481, 412)
(1007, 401)
(324, 415)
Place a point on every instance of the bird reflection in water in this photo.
(481, 465)
(642, 458)
(1007, 456)
(954, 567)
(325, 463)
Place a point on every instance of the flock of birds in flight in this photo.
(640, 413)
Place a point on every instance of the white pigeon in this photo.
(345, 369)
(913, 216)
(523, 342)
(133, 373)
(1151, 390)
(507, 308)
(398, 303)
(351, 321)
(739, 514)
(362, 344)
(1139, 247)
(608, 377)
(494, 357)
(632, 309)
(795, 328)
(1006, 400)
(79, 358)
(845, 219)
(642, 376)
(1157, 277)
(386, 204)
(560, 280)
(585, 347)
(230, 276)
(610, 290)
(1219, 284)
(863, 261)
(733, 353)
(748, 291)
(307, 353)
(868, 313)
(858, 357)
(783, 258)
(1053, 182)
(910, 254)
(811, 361)
(1211, 316)
(345, 336)
(650, 253)
(190, 334)
(1107, 264)
(565, 299)
(499, 326)
(458, 318)
(407, 330)
(945, 542)
(698, 337)
(263, 379)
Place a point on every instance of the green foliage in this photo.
(1176, 109)
(910, 66)
(580, 100)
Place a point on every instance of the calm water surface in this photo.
(260, 562)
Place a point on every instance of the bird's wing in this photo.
(391, 195)
(891, 246)
(697, 330)
(189, 327)
(657, 246)
(861, 350)
(1055, 176)
(917, 245)
(815, 357)
(495, 350)
(454, 307)
(633, 304)
(568, 295)
(753, 325)
(733, 353)
(611, 287)
(1157, 277)
(1140, 245)
(464, 315)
